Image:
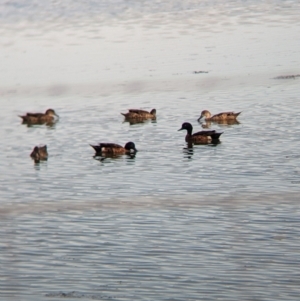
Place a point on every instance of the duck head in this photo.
(130, 146)
(153, 112)
(51, 112)
(205, 114)
(187, 126)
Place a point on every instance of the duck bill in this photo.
(181, 129)
(200, 117)
(133, 151)
(56, 115)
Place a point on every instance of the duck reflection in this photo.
(39, 164)
(139, 121)
(188, 151)
(110, 157)
(130, 158)
(207, 124)
(50, 125)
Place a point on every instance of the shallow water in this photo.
(216, 222)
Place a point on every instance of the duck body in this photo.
(202, 137)
(140, 114)
(39, 118)
(224, 116)
(113, 149)
(39, 153)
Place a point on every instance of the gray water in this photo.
(215, 222)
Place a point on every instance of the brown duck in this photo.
(202, 137)
(113, 149)
(219, 117)
(140, 114)
(39, 153)
(40, 118)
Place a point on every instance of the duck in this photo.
(114, 149)
(39, 118)
(200, 137)
(140, 114)
(219, 117)
(39, 153)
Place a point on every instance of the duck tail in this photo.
(23, 117)
(216, 136)
(124, 114)
(237, 114)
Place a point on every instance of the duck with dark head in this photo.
(112, 149)
(202, 137)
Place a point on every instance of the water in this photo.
(209, 223)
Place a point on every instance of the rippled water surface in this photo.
(212, 222)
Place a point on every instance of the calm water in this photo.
(209, 223)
